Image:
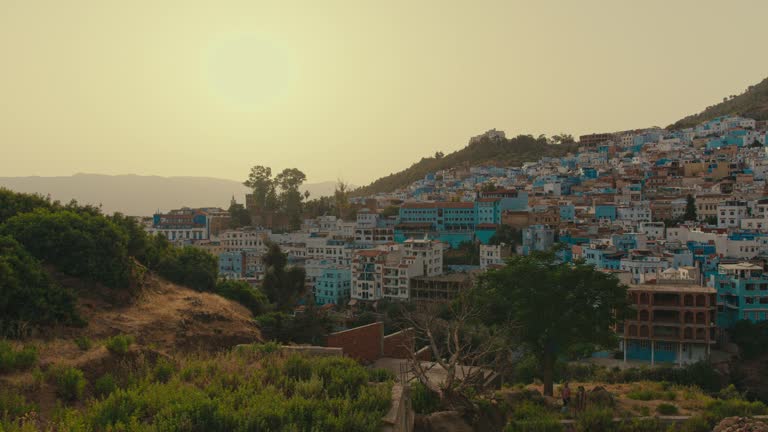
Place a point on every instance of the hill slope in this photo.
(508, 152)
(753, 103)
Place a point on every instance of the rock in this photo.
(740, 424)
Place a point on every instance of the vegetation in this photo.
(507, 235)
(667, 409)
(83, 342)
(119, 344)
(243, 390)
(752, 338)
(507, 152)
(12, 359)
(554, 305)
(28, 296)
(80, 244)
(280, 193)
(283, 285)
(189, 266)
(753, 103)
(241, 292)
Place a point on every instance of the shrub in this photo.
(83, 342)
(720, 409)
(695, 423)
(70, 383)
(532, 417)
(163, 370)
(13, 405)
(119, 344)
(595, 420)
(13, 360)
(104, 385)
(243, 293)
(424, 400)
(666, 409)
(640, 425)
(298, 368)
(380, 375)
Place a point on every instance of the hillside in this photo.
(753, 103)
(508, 152)
(137, 195)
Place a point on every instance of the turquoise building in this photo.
(333, 286)
(742, 291)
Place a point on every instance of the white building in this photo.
(730, 214)
(493, 255)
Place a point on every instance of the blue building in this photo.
(742, 291)
(538, 238)
(607, 212)
(567, 212)
(333, 286)
(232, 264)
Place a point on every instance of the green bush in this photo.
(380, 375)
(695, 423)
(70, 383)
(80, 244)
(298, 368)
(666, 409)
(532, 417)
(13, 404)
(104, 385)
(640, 425)
(424, 400)
(119, 344)
(243, 293)
(14, 360)
(84, 343)
(163, 370)
(720, 409)
(28, 296)
(595, 420)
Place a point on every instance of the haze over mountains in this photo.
(138, 195)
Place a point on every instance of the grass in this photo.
(84, 343)
(667, 409)
(70, 383)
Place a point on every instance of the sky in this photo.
(350, 90)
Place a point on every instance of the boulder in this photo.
(740, 424)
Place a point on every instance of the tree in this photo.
(390, 211)
(341, 198)
(283, 285)
(439, 155)
(556, 305)
(489, 187)
(507, 235)
(191, 267)
(563, 138)
(289, 181)
(241, 292)
(263, 186)
(239, 216)
(690, 208)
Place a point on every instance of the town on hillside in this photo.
(679, 216)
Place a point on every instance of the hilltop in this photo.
(753, 103)
(489, 151)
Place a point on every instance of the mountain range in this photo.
(138, 195)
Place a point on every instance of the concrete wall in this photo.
(400, 416)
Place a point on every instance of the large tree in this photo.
(690, 208)
(341, 198)
(282, 284)
(291, 199)
(551, 306)
(263, 186)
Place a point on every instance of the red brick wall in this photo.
(398, 345)
(424, 354)
(363, 344)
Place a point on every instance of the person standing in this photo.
(566, 395)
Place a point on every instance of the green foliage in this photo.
(191, 267)
(27, 293)
(283, 285)
(309, 327)
(595, 420)
(239, 216)
(380, 375)
(13, 404)
(424, 400)
(506, 152)
(690, 208)
(243, 293)
(69, 381)
(119, 344)
(14, 360)
(640, 425)
(695, 423)
(650, 394)
(468, 253)
(163, 370)
(532, 417)
(229, 394)
(558, 305)
(104, 385)
(752, 338)
(507, 235)
(666, 409)
(719, 409)
(298, 368)
(390, 211)
(80, 244)
(83, 342)
(289, 200)
(13, 203)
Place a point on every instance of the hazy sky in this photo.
(353, 89)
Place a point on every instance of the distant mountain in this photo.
(753, 103)
(498, 151)
(142, 195)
